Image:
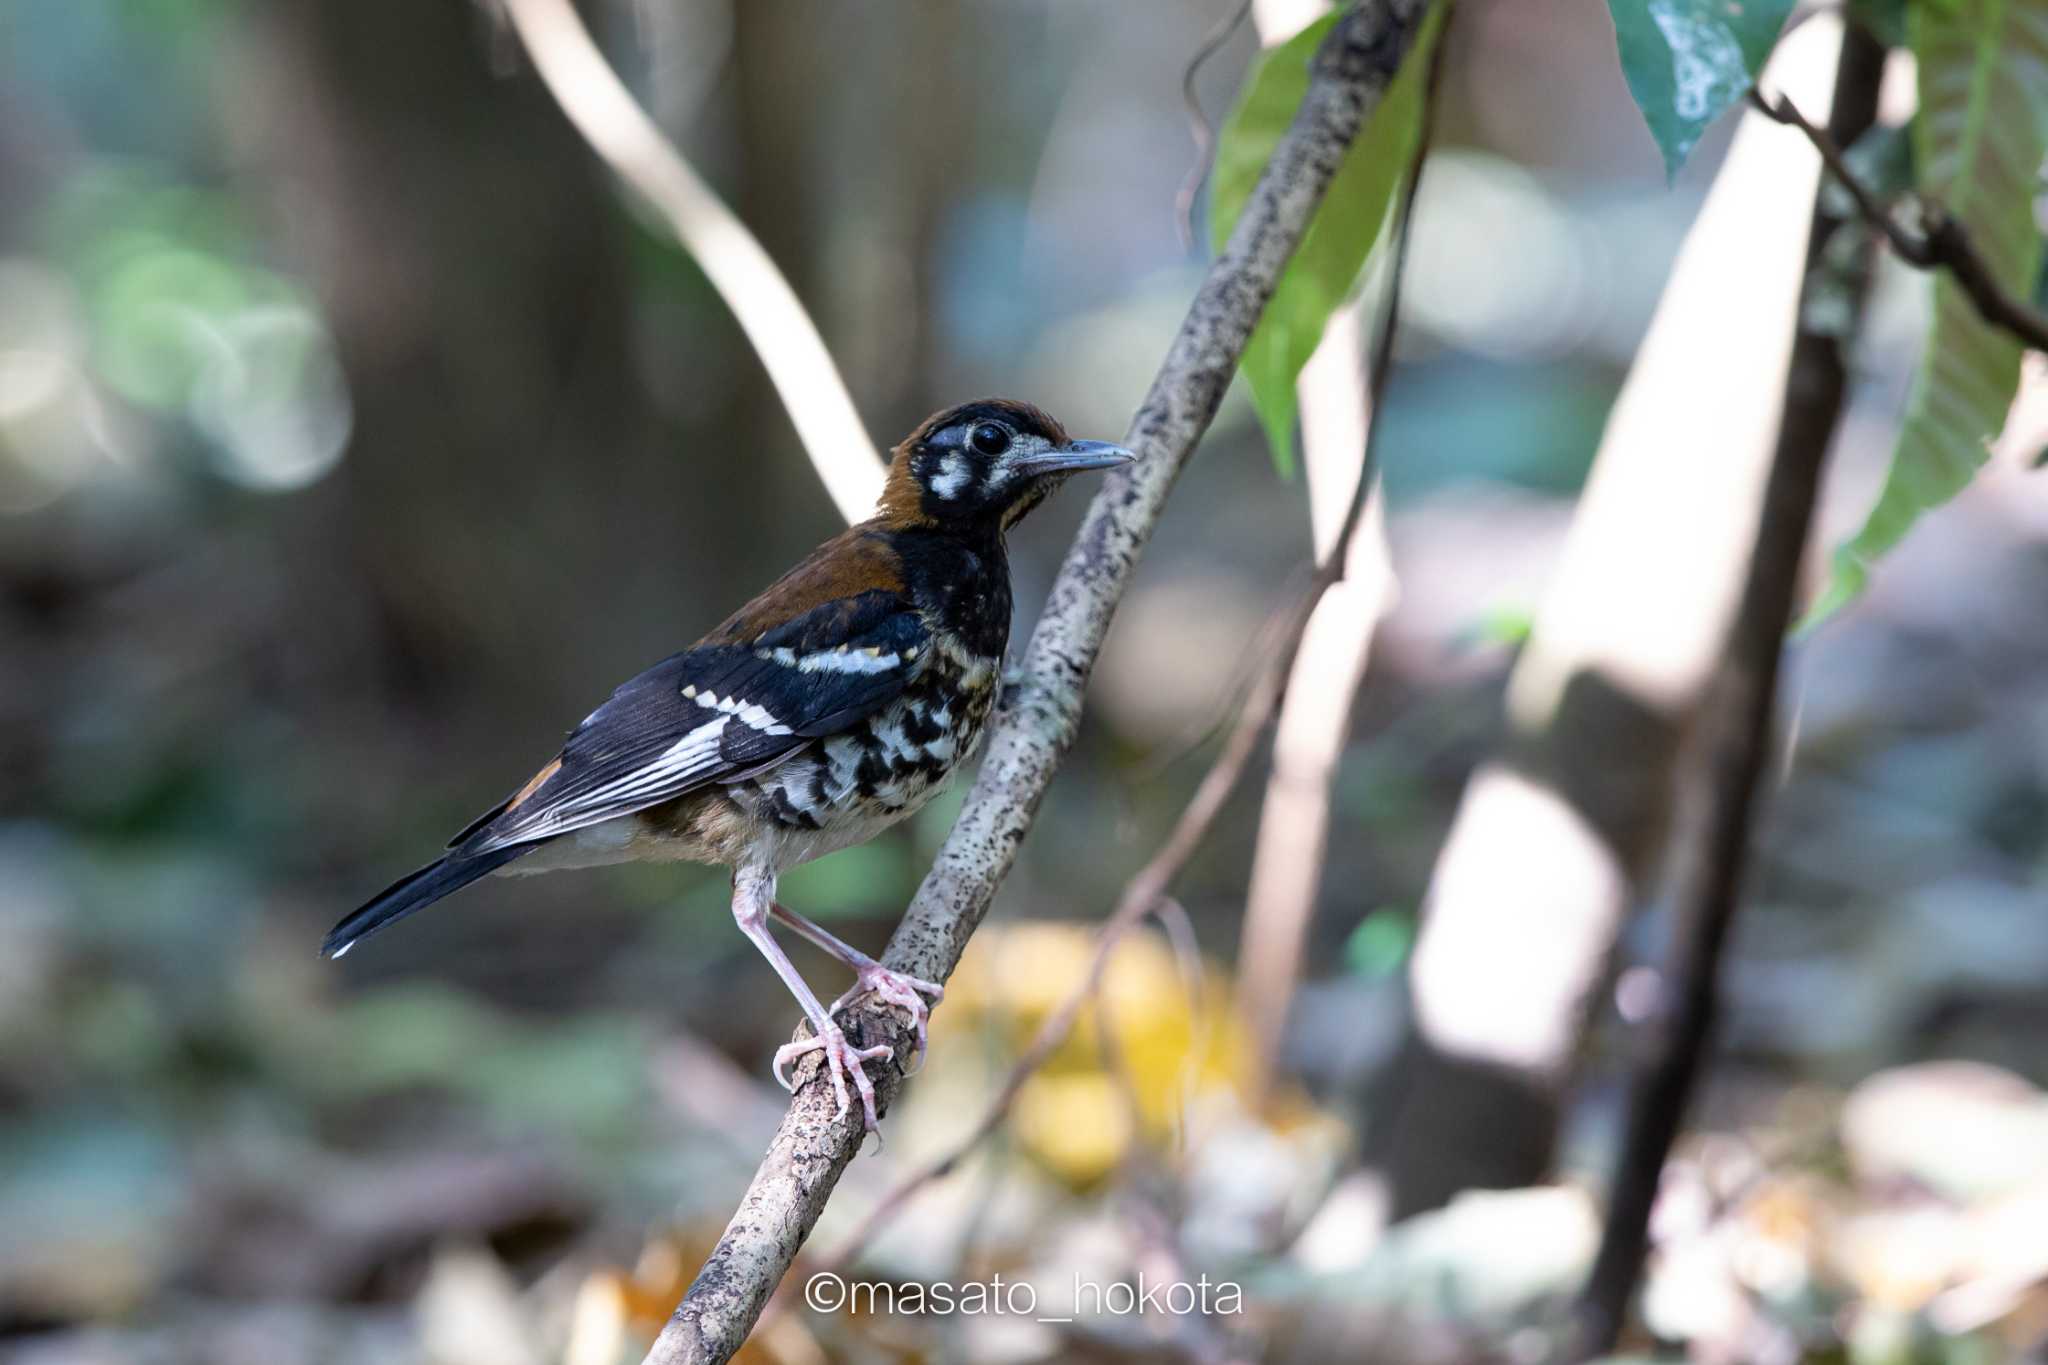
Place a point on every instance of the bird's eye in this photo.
(990, 439)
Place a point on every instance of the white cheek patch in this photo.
(951, 480)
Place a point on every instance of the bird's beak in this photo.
(1075, 456)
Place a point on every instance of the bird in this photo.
(833, 705)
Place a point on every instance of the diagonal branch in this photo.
(1273, 686)
(763, 304)
(1143, 895)
(1038, 723)
(1936, 241)
(1713, 837)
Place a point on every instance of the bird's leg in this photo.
(753, 897)
(891, 988)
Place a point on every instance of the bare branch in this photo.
(1272, 685)
(1936, 241)
(1038, 723)
(1559, 831)
(1714, 841)
(766, 308)
(1144, 894)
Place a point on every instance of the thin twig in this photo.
(1737, 723)
(1938, 240)
(1294, 816)
(1199, 733)
(1179, 928)
(1038, 723)
(1201, 1339)
(1200, 131)
(762, 302)
(1145, 1183)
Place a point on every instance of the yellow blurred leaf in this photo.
(1178, 1045)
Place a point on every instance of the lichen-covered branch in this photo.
(1037, 725)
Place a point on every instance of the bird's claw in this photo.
(841, 1057)
(894, 988)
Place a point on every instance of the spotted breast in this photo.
(849, 787)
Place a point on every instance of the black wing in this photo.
(714, 712)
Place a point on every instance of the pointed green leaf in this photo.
(1979, 143)
(1333, 252)
(1686, 61)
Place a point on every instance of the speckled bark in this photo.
(1033, 731)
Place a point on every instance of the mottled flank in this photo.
(849, 785)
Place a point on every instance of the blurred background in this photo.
(357, 434)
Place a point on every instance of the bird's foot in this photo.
(841, 1057)
(894, 988)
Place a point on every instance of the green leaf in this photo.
(1340, 238)
(1381, 942)
(1686, 61)
(1979, 142)
(1885, 19)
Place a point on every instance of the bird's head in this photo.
(986, 464)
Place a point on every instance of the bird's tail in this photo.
(416, 892)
